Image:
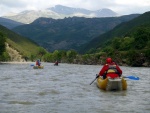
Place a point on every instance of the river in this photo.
(65, 89)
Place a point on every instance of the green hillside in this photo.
(122, 30)
(68, 33)
(128, 43)
(23, 45)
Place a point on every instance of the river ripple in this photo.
(65, 89)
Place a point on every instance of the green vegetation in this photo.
(127, 44)
(68, 33)
(63, 56)
(125, 29)
(24, 46)
(2, 47)
(133, 51)
(2, 43)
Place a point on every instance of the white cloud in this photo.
(131, 6)
(12, 3)
(133, 2)
(119, 6)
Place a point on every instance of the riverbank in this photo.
(17, 62)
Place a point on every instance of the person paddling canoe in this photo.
(56, 63)
(38, 63)
(110, 69)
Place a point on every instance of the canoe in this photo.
(38, 67)
(55, 64)
(110, 84)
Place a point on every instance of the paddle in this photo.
(95, 78)
(131, 77)
(32, 65)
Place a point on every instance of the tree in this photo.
(48, 57)
(2, 43)
(41, 52)
(56, 55)
(116, 42)
(5, 57)
(142, 36)
(32, 57)
(126, 44)
(71, 55)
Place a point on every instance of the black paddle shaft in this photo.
(94, 79)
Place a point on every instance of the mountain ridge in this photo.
(121, 30)
(69, 10)
(9, 23)
(27, 17)
(68, 33)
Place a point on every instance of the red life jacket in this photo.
(112, 71)
(38, 63)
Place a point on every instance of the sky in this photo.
(122, 7)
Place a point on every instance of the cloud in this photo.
(12, 3)
(119, 6)
(133, 2)
(131, 6)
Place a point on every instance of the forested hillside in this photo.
(122, 30)
(68, 33)
(128, 43)
(2, 45)
(23, 49)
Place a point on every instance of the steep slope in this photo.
(15, 56)
(123, 29)
(68, 33)
(24, 46)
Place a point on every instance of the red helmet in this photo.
(109, 60)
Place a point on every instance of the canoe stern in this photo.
(109, 84)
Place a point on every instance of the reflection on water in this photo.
(66, 89)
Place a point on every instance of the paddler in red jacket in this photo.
(38, 63)
(110, 69)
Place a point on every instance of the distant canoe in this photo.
(38, 67)
(55, 64)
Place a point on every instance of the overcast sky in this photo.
(122, 7)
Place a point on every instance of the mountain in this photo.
(75, 11)
(9, 23)
(31, 15)
(24, 46)
(68, 33)
(59, 12)
(121, 30)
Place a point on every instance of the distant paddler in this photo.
(56, 63)
(38, 63)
